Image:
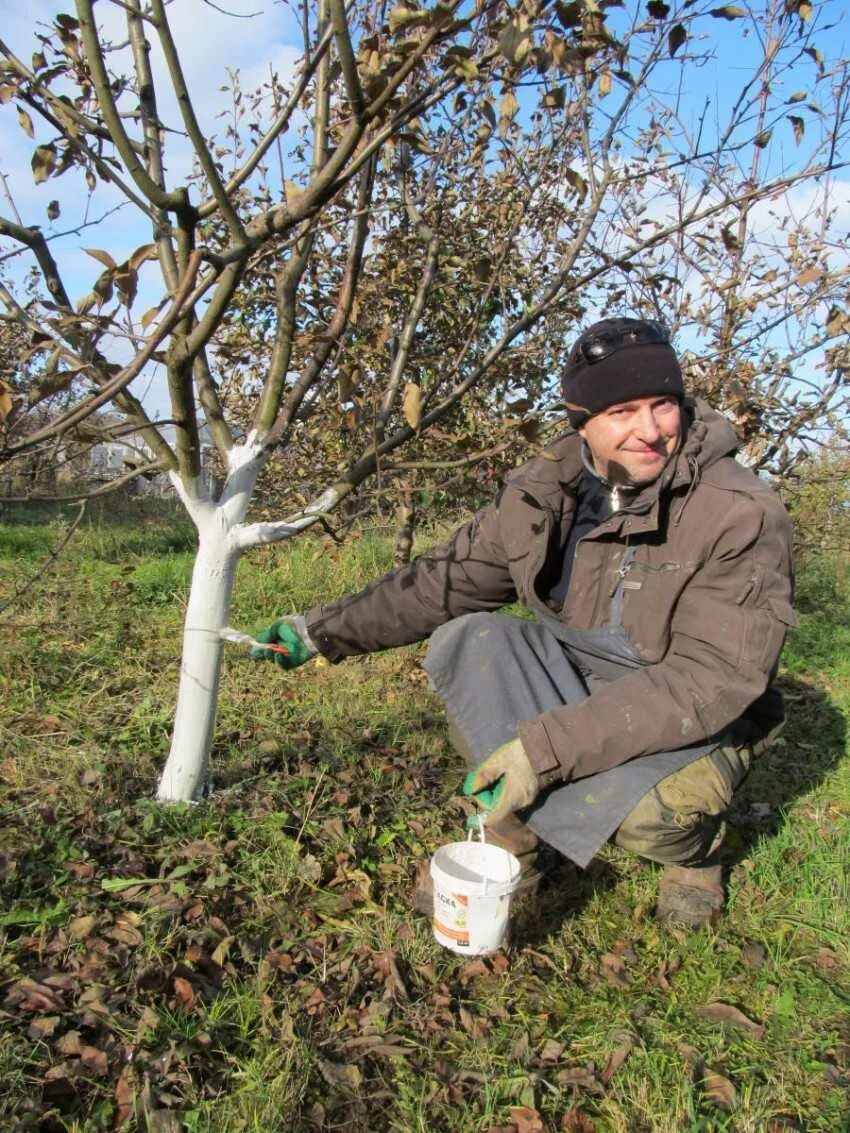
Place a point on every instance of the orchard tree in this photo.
(393, 247)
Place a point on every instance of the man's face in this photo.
(632, 441)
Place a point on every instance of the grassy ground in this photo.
(250, 963)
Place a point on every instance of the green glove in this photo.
(290, 632)
(513, 780)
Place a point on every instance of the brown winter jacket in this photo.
(707, 608)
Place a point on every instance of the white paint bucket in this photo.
(473, 882)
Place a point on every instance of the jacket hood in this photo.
(709, 437)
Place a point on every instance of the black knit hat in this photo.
(617, 360)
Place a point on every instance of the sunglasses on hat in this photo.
(606, 342)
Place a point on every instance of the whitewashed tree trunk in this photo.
(222, 537)
(219, 547)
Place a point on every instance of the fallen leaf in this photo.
(720, 1091)
(826, 959)
(730, 1016)
(784, 1123)
(341, 1075)
(43, 1027)
(580, 1078)
(526, 1119)
(81, 927)
(163, 1121)
(753, 954)
(615, 1061)
(473, 969)
(95, 1060)
(185, 994)
(125, 934)
(576, 1121)
(31, 996)
(499, 963)
(692, 1057)
(614, 970)
(552, 1051)
(69, 1044)
(125, 1098)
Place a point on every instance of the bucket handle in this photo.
(482, 838)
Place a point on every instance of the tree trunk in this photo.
(186, 771)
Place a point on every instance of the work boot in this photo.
(690, 896)
(512, 835)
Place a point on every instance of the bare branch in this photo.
(405, 342)
(207, 208)
(109, 110)
(152, 129)
(339, 320)
(346, 58)
(193, 129)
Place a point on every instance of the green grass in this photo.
(250, 963)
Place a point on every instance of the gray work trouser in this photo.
(493, 671)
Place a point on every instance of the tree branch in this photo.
(111, 117)
(193, 129)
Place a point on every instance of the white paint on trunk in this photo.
(186, 770)
(257, 534)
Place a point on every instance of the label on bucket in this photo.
(451, 917)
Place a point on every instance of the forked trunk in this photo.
(220, 543)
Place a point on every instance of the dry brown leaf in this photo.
(614, 970)
(691, 1055)
(185, 994)
(576, 1121)
(579, 1078)
(526, 1119)
(499, 963)
(6, 401)
(552, 1051)
(753, 954)
(125, 1098)
(43, 1027)
(720, 1091)
(25, 122)
(69, 1044)
(101, 256)
(412, 404)
(95, 1061)
(341, 1075)
(826, 959)
(31, 996)
(615, 1061)
(731, 1017)
(473, 969)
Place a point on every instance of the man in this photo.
(658, 572)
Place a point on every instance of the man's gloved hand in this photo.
(291, 632)
(519, 784)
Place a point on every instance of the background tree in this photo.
(393, 248)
